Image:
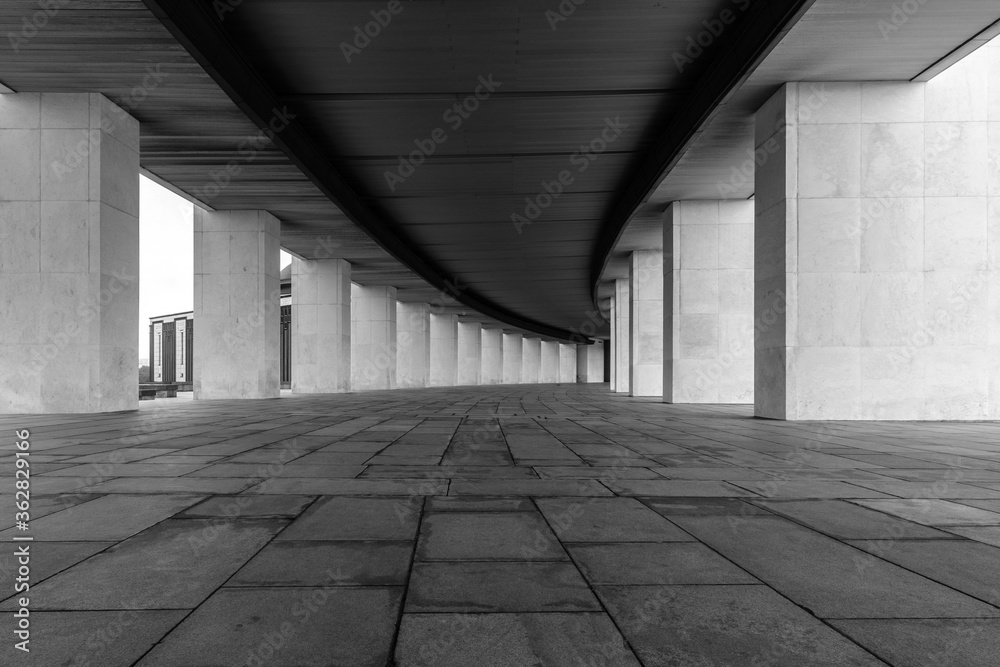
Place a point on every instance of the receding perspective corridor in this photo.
(516, 525)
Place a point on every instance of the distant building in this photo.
(171, 343)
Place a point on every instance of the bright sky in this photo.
(166, 256)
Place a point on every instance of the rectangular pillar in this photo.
(708, 302)
(512, 361)
(567, 363)
(531, 360)
(548, 370)
(237, 304)
(413, 338)
(444, 350)
(470, 353)
(492, 359)
(876, 222)
(646, 323)
(621, 336)
(590, 363)
(612, 366)
(373, 337)
(69, 254)
(321, 326)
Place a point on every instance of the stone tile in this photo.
(109, 518)
(721, 474)
(845, 521)
(248, 506)
(984, 534)
(528, 487)
(351, 487)
(701, 506)
(498, 587)
(487, 536)
(202, 485)
(608, 520)
(153, 570)
(451, 472)
(809, 489)
(919, 642)
(316, 563)
(105, 638)
(479, 504)
(304, 627)
(586, 472)
(272, 470)
(677, 488)
(926, 490)
(511, 640)
(107, 470)
(725, 625)
(355, 519)
(934, 512)
(49, 558)
(647, 564)
(828, 578)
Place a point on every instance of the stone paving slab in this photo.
(248, 506)
(934, 512)
(529, 487)
(846, 521)
(91, 638)
(355, 519)
(655, 564)
(678, 488)
(608, 520)
(487, 536)
(327, 563)
(926, 642)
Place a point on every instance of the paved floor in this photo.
(529, 525)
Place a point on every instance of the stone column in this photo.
(470, 353)
(321, 326)
(444, 350)
(612, 347)
(567, 363)
(492, 360)
(708, 302)
(646, 323)
(512, 361)
(621, 336)
(373, 337)
(237, 304)
(548, 370)
(590, 363)
(876, 231)
(531, 360)
(69, 254)
(413, 338)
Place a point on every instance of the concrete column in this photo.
(876, 236)
(470, 353)
(646, 323)
(321, 326)
(548, 369)
(531, 360)
(621, 336)
(237, 304)
(444, 350)
(69, 254)
(567, 363)
(590, 363)
(413, 338)
(512, 361)
(612, 346)
(373, 337)
(492, 359)
(708, 302)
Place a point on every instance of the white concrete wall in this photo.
(321, 326)
(548, 370)
(373, 337)
(646, 323)
(708, 302)
(567, 362)
(491, 370)
(444, 350)
(621, 336)
(512, 350)
(237, 304)
(590, 363)
(612, 346)
(470, 353)
(69, 254)
(413, 350)
(531, 360)
(877, 228)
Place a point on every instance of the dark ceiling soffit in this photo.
(194, 27)
(965, 49)
(759, 33)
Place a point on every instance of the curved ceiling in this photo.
(662, 116)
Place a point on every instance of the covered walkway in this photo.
(508, 525)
